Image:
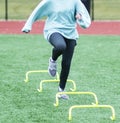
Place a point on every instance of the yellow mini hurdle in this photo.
(37, 71)
(91, 106)
(74, 93)
(56, 80)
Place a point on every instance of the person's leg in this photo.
(59, 45)
(66, 62)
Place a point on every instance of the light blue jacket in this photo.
(60, 17)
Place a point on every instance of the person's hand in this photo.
(78, 16)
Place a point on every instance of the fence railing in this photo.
(98, 9)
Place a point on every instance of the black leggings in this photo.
(65, 47)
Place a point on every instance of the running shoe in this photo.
(52, 68)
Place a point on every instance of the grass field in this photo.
(106, 10)
(95, 67)
(103, 9)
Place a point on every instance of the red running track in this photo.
(96, 28)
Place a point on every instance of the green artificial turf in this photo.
(95, 67)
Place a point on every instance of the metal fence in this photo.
(98, 9)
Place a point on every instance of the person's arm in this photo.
(40, 11)
(82, 15)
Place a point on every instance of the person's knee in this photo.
(61, 47)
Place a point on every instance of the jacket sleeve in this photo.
(85, 22)
(40, 11)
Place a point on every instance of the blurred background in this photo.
(21, 9)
